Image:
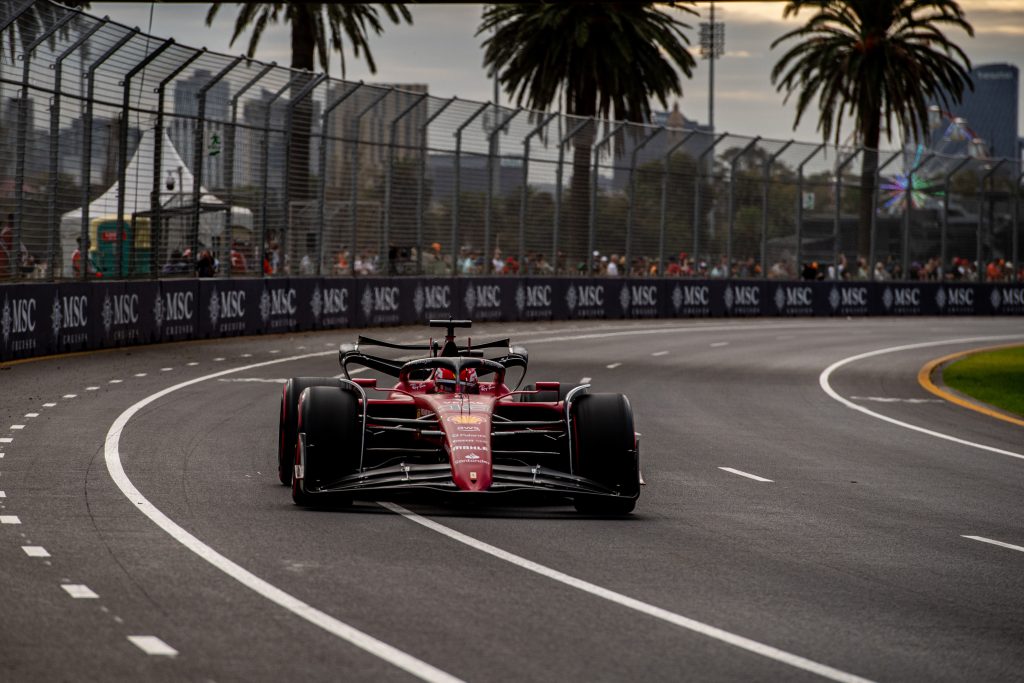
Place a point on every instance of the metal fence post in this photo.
(354, 203)
(697, 203)
(872, 243)
(457, 186)
(155, 204)
(489, 195)
(22, 136)
(592, 232)
(421, 179)
(631, 210)
(53, 220)
(981, 216)
(730, 229)
(800, 205)
(663, 218)
(87, 142)
(265, 179)
(765, 180)
(524, 190)
(289, 122)
(322, 194)
(123, 151)
(838, 207)
(908, 212)
(229, 158)
(390, 179)
(197, 154)
(944, 228)
(1017, 267)
(558, 185)
(17, 15)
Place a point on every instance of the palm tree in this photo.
(873, 60)
(606, 58)
(317, 29)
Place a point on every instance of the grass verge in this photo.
(993, 377)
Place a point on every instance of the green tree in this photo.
(607, 59)
(874, 61)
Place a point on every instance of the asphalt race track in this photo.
(840, 544)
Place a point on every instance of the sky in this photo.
(442, 50)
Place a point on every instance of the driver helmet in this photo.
(444, 380)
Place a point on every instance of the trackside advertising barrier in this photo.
(41, 319)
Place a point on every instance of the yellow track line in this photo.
(924, 378)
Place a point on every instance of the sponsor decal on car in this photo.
(465, 419)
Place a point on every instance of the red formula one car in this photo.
(450, 424)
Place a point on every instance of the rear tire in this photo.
(547, 395)
(287, 429)
(606, 452)
(329, 419)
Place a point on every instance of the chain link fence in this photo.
(125, 156)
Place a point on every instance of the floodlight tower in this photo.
(712, 45)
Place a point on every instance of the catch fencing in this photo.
(127, 156)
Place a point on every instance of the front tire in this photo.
(606, 452)
(330, 426)
(287, 428)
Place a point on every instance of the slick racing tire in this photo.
(606, 452)
(547, 395)
(287, 429)
(329, 420)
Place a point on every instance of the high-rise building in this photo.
(989, 112)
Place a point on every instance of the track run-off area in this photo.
(811, 513)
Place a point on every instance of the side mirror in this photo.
(521, 351)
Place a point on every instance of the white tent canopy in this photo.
(138, 187)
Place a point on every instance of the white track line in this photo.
(584, 380)
(49, 405)
(79, 591)
(35, 551)
(612, 366)
(9, 519)
(715, 345)
(826, 374)
(632, 603)
(152, 645)
(748, 475)
(999, 543)
(336, 627)
(92, 388)
(17, 426)
(6, 439)
(70, 396)
(3, 494)
(660, 353)
(31, 414)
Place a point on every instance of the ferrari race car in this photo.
(450, 424)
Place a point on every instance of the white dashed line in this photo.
(6, 439)
(999, 543)
(35, 551)
(17, 426)
(79, 591)
(2, 455)
(275, 350)
(192, 364)
(31, 414)
(612, 366)
(166, 369)
(660, 353)
(745, 474)
(92, 388)
(70, 396)
(140, 374)
(246, 355)
(116, 381)
(888, 399)
(49, 405)
(3, 494)
(9, 519)
(302, 348)
(152, 645)
(217, 360)
(717, 344)
(584, 380)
